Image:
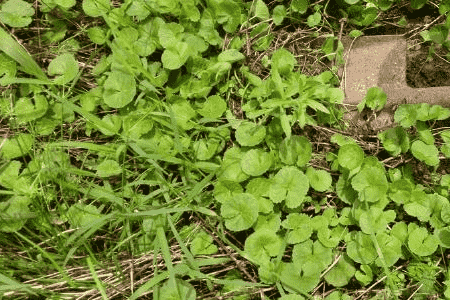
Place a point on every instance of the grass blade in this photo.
(13, 49)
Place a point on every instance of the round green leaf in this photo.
(295, 150)
(256, 162)
(291, 276)
(420, 242)
(314, 19)
(108, 168)
(225, 190)
(64, 65)
(299, 226)
(350, 156)
(16, 13)
(213, 108)
(96, 8)
(80, 215)
(341, 273)
(283, 61)
(250, 134)
(361, 249)
(119, 89)
(320, 180)
(230, 56)
(261, 245)
(240, 212)
(278, 14)
(429, 154)
(96, 35)
(26, 111)
(289, 184)
(443, 235)
(16, 146)
(202, 244)
(175, 56)
(14, 213)
(182, 291)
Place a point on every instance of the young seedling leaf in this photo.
(289, 184)
(119, 89)
(175, 55)
(14, 213)
(261, 245)
(320, 180)
(109, 168)
(256, 162)
(271, 222)
(341, 273)
(205, 149)
(300, 6)
(345, 191)
(183, 113)
(97, 35)
(350, 156)
(250, 134)
(314, 19)
(213, 108)
(443, 234)
(202, 244)
(299, 228)
(360, 248)
(240, 212)
(421, 211)
(261, 11)
(17, 146)
(330, 238)
(375, 99)
(296, 150)
(429, 154)
(96, 8)
(16, 13)
(422, 243)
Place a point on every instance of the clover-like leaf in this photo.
(419, 210)
(97, 35)
(250, 134)
(309, 255)
(360, 248)
(330, 238)
(64, 65)
(80, 215)
(291, 276)
(371, 183)
(261, 245)
(14, 213)
(240, 212)
(213, 108)
(109, 168)
(429, 154)
(278, 14)
(96, 8)
(204, 149)
(395, 140)
(271, 221)
(175, 55)
(225, 190)
(26, 111)
(119, 89)
(314, 19)
(300, 228)
(375, 220)
(16, 13)
(17, 146)
(365, 276)
(320, 180)
(420, 242)
(341, 273)
(283, 61)
(295, 150)
(183, 112)
(350, 156)
(289, 184)
(256, 162)
(230, 56)
(391, 247)
(202, 244)
(231, 166)
(182, 291)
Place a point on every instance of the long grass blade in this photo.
(13, 49)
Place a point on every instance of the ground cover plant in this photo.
(156, 149)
